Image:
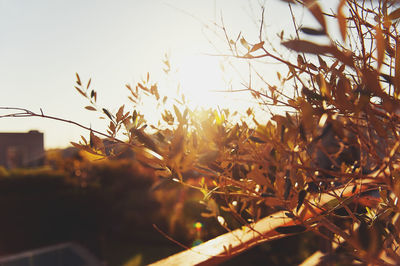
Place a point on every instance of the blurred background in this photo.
(51, 193)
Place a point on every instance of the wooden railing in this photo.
(232, 243)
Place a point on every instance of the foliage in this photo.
(340, 128)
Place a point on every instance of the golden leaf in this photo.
(380, 45)
(120, 113)
(397, 71)
(394, 15)
(342, 20)
(310, 31)
(80, 91)
(78, 79)
(343, 87)
(307, 47)
(90, 108)
(88, 84)
(96, 142)
(257, 46)
(315, 9)
(244, 43)
(323, 86)
(145, 139)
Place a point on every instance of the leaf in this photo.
(291, 229)
(387, 78)
(78, 80)
(255, 139)
(154, 91)
(80, 91)
(322, 63)
(342, 20)
(397, 71)
(145, 139)
(267, 194)
(83, 139)
(315, 9)
(300, 199)
(290, 214)
(307, 112)
(177, 144)
(107, 113)
(178, 114)
(90, 108)
(393, 231)
(257, 47)
(378, 125)
(394, 15)
(208, 157)
(96, 142)
(343, 86)
(288, 186)
(245, 44)
(336, 203)
(88, 84)
(323, 86)
(76, 145)
(364, 236)
(120, 113)
(306, 47)
(380, 45)
(300, 60)
(311, 31)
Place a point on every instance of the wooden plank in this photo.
(227, 245)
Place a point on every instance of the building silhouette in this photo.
(21, 149)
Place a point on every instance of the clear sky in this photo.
(44, 42)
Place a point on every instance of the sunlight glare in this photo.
(201, 81)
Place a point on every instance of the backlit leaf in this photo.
(288, 186)
(244, 43)
(342, 20)
(315, 9)
(380, 45)
(78, 79)
(91, 108)
(323, 86)
(343, 87)
(76, 145)
(88, 84)
(120, 113)
(105, 111)
(80, 91)
(255, 139)
(322, 63)
(300, 200)
(378, 126)
(178, 114)
(257, 46)
(394, 15)
(397, 71)
(96, 142)
(310, 31)
(306, 47)
(145, 139)
(177, 144)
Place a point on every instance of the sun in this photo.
(201, 79)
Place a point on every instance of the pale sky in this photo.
(44, 42)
